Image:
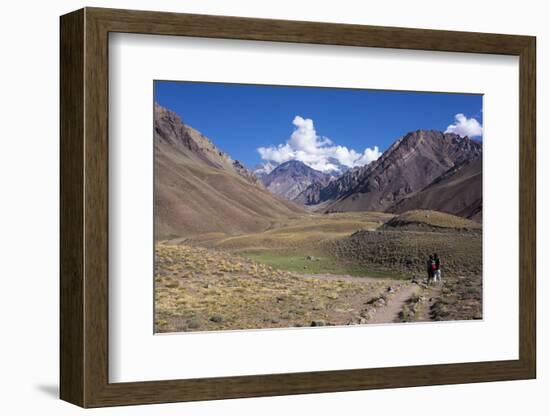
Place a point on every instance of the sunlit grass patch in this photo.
(299, 263)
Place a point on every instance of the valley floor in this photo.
(337, 269)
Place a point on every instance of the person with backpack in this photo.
(437, 268)
(430, 267)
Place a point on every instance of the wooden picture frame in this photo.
(84, 207)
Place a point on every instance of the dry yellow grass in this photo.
(297, 232)
(434, 219)
(199, 289)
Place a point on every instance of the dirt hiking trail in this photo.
(348, 278)
(385, 314)
(390, 312)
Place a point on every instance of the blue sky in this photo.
(307, 123)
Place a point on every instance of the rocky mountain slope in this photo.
(200, 189)
(412, 163)
(458, 191)
(311, 195)
(316, 194)
(291, 178)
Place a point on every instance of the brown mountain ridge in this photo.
(458, 191)
(200, 189)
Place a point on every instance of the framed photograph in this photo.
(255, 207)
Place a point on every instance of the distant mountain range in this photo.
(201, 189)
(291, 178)
(424, 169)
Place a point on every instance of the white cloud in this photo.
(464, 126)
(265, 169)
(315, 151)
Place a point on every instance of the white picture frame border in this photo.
(135, 354)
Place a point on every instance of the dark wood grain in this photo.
(528, 208)
(71, 100)
(84, 207)
(225, 27)
(96, 265)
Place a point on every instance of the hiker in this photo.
(430, 267)
(437, 271)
